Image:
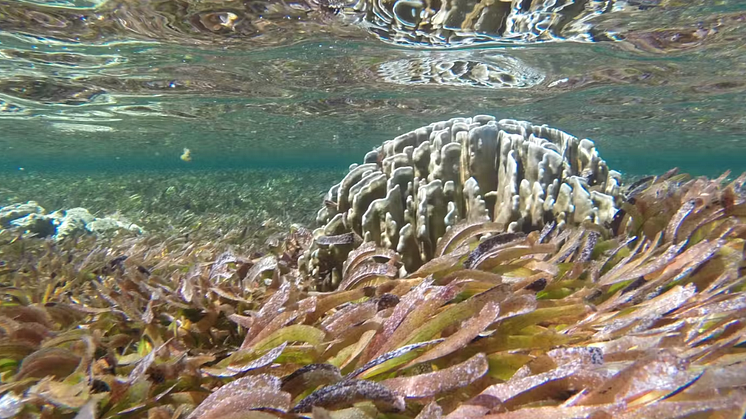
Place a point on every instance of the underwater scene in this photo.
(332, 209)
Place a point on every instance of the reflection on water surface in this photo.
(131, 83)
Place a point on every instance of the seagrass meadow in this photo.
(236, 207)
(471, 268)
(638, 316)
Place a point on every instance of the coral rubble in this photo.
(30, 218)
(413, 190)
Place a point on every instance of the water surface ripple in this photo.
(129, 84)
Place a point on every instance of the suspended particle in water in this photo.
(186, 155)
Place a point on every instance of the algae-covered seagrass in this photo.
(411, 191)
(649, 322)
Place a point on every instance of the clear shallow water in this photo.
(102, 86)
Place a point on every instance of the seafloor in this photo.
(234, 207)
(206, 321)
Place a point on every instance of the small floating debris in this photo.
(186, 155)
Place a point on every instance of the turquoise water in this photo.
(126, 86)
